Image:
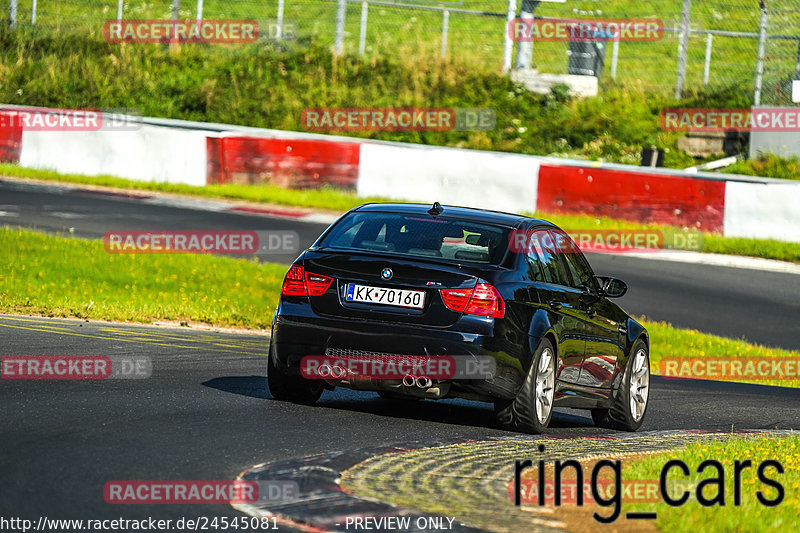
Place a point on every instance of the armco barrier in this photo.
(291, 163)
(10, 139)
(492, 180)
(197, 153)
(632, 195)
(762, 210)
(149, 153)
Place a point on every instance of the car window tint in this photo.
(553, 268)
(580, 273)
(420, 236)
(535, 268)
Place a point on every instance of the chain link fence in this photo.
(747, 45)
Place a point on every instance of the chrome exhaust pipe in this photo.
(423, 382)
(408, 380)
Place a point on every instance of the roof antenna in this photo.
(436, 210)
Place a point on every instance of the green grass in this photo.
(72, 277)
(751, 515)
(670, 342)
(768, 165)
(477, 39)
(267, 85)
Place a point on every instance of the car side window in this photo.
(552, 267)
(580, 273)
(535, 272)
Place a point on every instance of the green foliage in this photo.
(768, 165)
(264, 85)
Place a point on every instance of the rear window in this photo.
(420, 236)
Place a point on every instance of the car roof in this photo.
(450, 211)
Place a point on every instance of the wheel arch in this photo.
(540, 328)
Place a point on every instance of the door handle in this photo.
(554, 304)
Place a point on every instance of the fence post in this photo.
(508, 43)
(525, 48)
(119, 9)
(614, 56)
(707, 64)
(762, 42)
(445, 28)
(12, 13)
(176, 9)
(797, 62)
(362, 39)
(338, 43)
(33, 13)
(279, 21)
(683, 47)
(199, 10)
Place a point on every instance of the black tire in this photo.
(291, 388)
(520, 414)
(621, 415)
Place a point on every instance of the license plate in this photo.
(382, 296)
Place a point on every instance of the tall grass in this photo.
(263, 85)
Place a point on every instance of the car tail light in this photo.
(317, 284)
(456, 299)
(298, 282)
(484, 300)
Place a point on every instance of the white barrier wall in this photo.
(175, 151)
(489, 180)
(763, 211)
(149, 153)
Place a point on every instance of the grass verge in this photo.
(339, 200)
(71, 277)
(750, 515)
(323, 198)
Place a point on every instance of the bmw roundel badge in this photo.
(386, 273)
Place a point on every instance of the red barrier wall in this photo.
(290, 163)
(636, 196)
(10, 138)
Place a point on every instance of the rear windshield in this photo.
(420, 236)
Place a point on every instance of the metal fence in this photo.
(747, 45)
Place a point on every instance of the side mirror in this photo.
(611, 287)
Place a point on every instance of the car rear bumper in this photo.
(299, 332)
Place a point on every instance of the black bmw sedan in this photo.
(393, 280)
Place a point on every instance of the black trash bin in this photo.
(586, 58)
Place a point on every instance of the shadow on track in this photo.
(451, 411)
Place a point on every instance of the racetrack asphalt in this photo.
(205, 414)
(762, 307)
